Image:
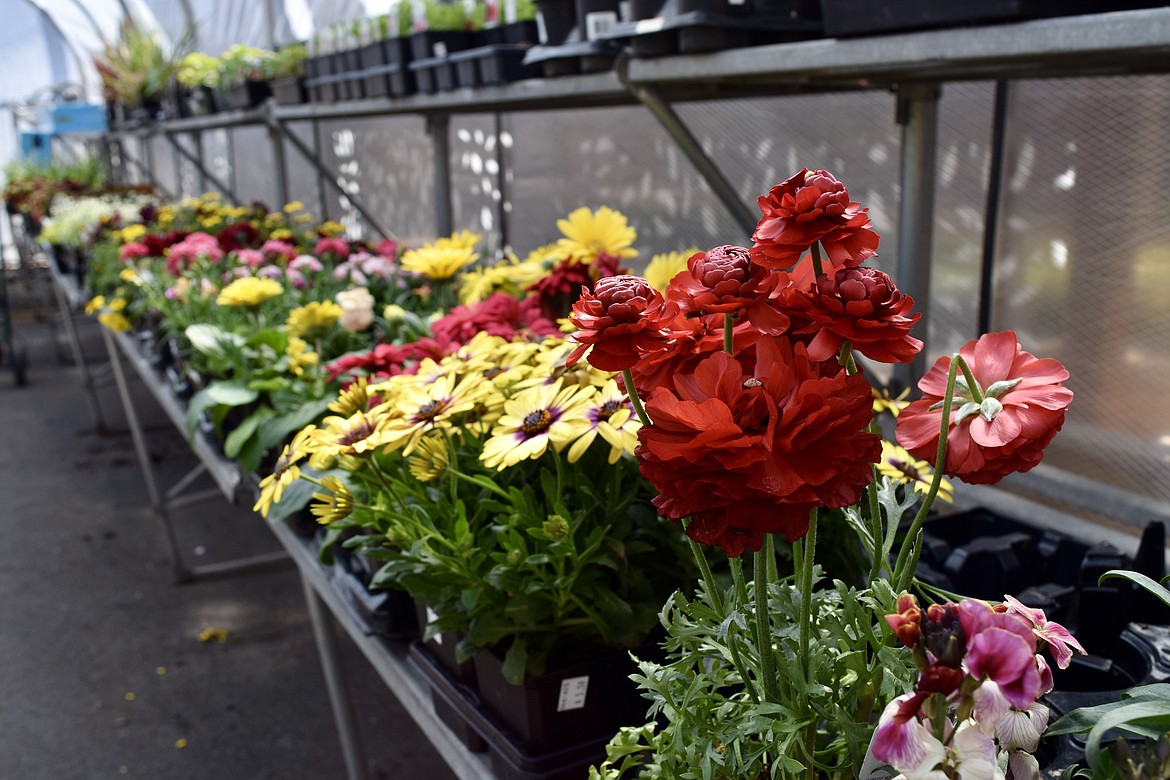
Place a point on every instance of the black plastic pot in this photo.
(249, 94)
(566, 705)
(290, 91)
(428, 44)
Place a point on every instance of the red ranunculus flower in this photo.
(807, 208)
(859, 305)
(725, 280)
(1023, 407)
(694, 339)
(132, 251)
(746, 455)
(338, 247)
(623, 319)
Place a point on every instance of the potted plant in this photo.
(288, 74)
(136, 69)
(244, 73)
(199, 72)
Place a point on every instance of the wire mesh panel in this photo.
(476, 195)
(617, 157)
(302, 176)
(1083, 261)
(387, 162)
(252, 154)
(962, 167)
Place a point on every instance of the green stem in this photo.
(770, 549)
(729, 333)
(708, 577)
(764, 629)
(632, 392)
(560, 474)
(818, 269)
(904, 568)
(972, 385)
(489, 485)
(806, 620)
(741, 598)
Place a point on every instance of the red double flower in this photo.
(622, 319)
(746, 454)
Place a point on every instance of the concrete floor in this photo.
(102, 670)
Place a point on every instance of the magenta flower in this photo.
(1058, 638)
(1007, 659)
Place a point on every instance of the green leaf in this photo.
(213, 340)
(275, 430)
(244, 431)
(1137, 578)
(1119, 718)
(231, 393)
(516, 661)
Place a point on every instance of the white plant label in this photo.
(432, 616)
(541, 31)
(439, 50)
(509, 11)
(573, 691)
(599, 23)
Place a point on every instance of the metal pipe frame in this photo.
(325, 173)
(439, 129)
(991, 206)
(917, 108)
(204, 174)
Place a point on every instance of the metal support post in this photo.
(744, 215)
(182, 573)
(205, 174)
(316, 155)
(278, 162)
(325, 173)
(351, 749)
(439, 129)
(88, 383)
(918, 115)
(200, 165)
(991, 209)
(503, 166)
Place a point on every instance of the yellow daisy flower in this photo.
(429, 460)
(281, 234)
(464, 239)
(293, 206)
(313, 317)
(551, 414)
(335, 505)
(133, 233)
(899, 465)
(249, 291)
(330, 228)
(612, 417)
(96, 303)
(353, 399)
(423, 408)
(883, 402)
(284, 473)
(662, 268)
(590, 233)
(361, 432)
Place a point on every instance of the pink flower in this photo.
(1008, 660)
(901, 740)
(132, 251)
(304, 263)
(1058, 638)
(277, 249)
(334, 246)
(253, 258)
(388, 248)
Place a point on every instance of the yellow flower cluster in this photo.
(249, 291)
(588, 234)
(109, 312)
(314, 318)
(516, 398)
(662, 268)
(442, 259)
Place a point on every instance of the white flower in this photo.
(357, 309)
(1021, 729)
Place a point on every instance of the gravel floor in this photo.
(106, 669)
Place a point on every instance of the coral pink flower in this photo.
(810, 207)
(623, 319)
(1023, 407)
(338, 247)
